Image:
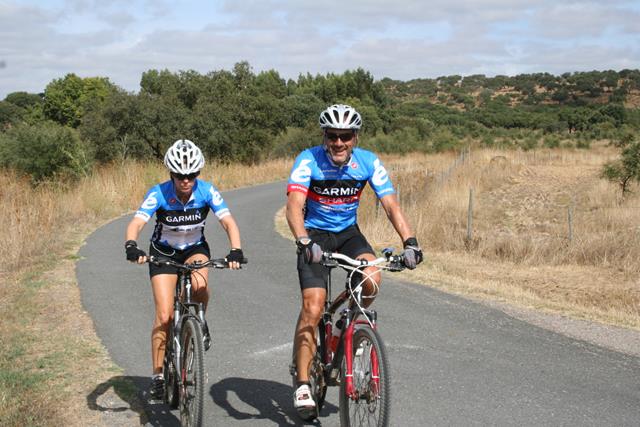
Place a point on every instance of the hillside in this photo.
(571, 89)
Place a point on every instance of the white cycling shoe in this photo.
(302, 399)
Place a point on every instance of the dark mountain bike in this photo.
(353, 355)
(183, 367)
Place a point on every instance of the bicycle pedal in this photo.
(308, 413)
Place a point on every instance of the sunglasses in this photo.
(344, 137)
(182, 177)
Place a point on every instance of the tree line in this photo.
(240, 115)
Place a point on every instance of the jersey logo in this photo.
(196, 216)
(216, 197)
(354, 165)
(302, 173)
(380, 175)
(150, 202)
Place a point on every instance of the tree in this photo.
(9, 114)
(45, 151)
(24, 99)
(113, 128)
(270, 82)
(626, 170)
(66, 99)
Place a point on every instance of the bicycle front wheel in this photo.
(192, 373)
(369, 403)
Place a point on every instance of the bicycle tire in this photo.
(319, 388)
(372, 406)
(192, 390)
(170, 375)
(317, 382)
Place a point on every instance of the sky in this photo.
(43, 40)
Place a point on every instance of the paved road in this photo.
(453, 362)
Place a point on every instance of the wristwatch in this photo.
(304, 240)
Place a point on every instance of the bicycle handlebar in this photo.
(334, 259)
(214, 262)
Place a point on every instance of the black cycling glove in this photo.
(133, 252)
(235, 255)
(311, 251)
(412, 253)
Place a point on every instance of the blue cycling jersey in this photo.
(333, 193)
(181, 225)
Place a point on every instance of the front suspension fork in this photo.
(350, 390)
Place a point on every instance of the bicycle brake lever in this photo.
(387, 252)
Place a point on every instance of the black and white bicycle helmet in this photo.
(184, 157)
(340, 116)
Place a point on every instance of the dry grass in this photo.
(520, 249)
(50, 359)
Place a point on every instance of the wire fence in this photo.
(437, 179)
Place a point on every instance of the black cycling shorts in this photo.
(175, 254)
(350, 242)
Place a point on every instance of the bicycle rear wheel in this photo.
(169, 371)
(370, 405)
(317, 383)
(192, 390)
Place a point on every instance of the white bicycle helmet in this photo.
(184, 157)
(340, 116)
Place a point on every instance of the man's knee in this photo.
(371, 277)
(312, 308)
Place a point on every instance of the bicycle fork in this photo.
(351, 390)
(177, 328)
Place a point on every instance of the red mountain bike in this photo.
(354, 359)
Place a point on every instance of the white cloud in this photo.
(403, 40)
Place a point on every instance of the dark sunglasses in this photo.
(182, 177)
(344, 137)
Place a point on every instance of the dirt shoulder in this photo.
(61, 363)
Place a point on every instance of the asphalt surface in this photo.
(453, 362)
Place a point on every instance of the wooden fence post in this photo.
(570, 218)
(470, 217)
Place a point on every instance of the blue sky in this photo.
(402, 39)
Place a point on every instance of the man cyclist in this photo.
(323, 194)
(181, 205)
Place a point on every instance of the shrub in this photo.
(551, 141)
(45, 152)
(291, 142)
(529, 143)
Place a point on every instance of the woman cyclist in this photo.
(181, 205)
